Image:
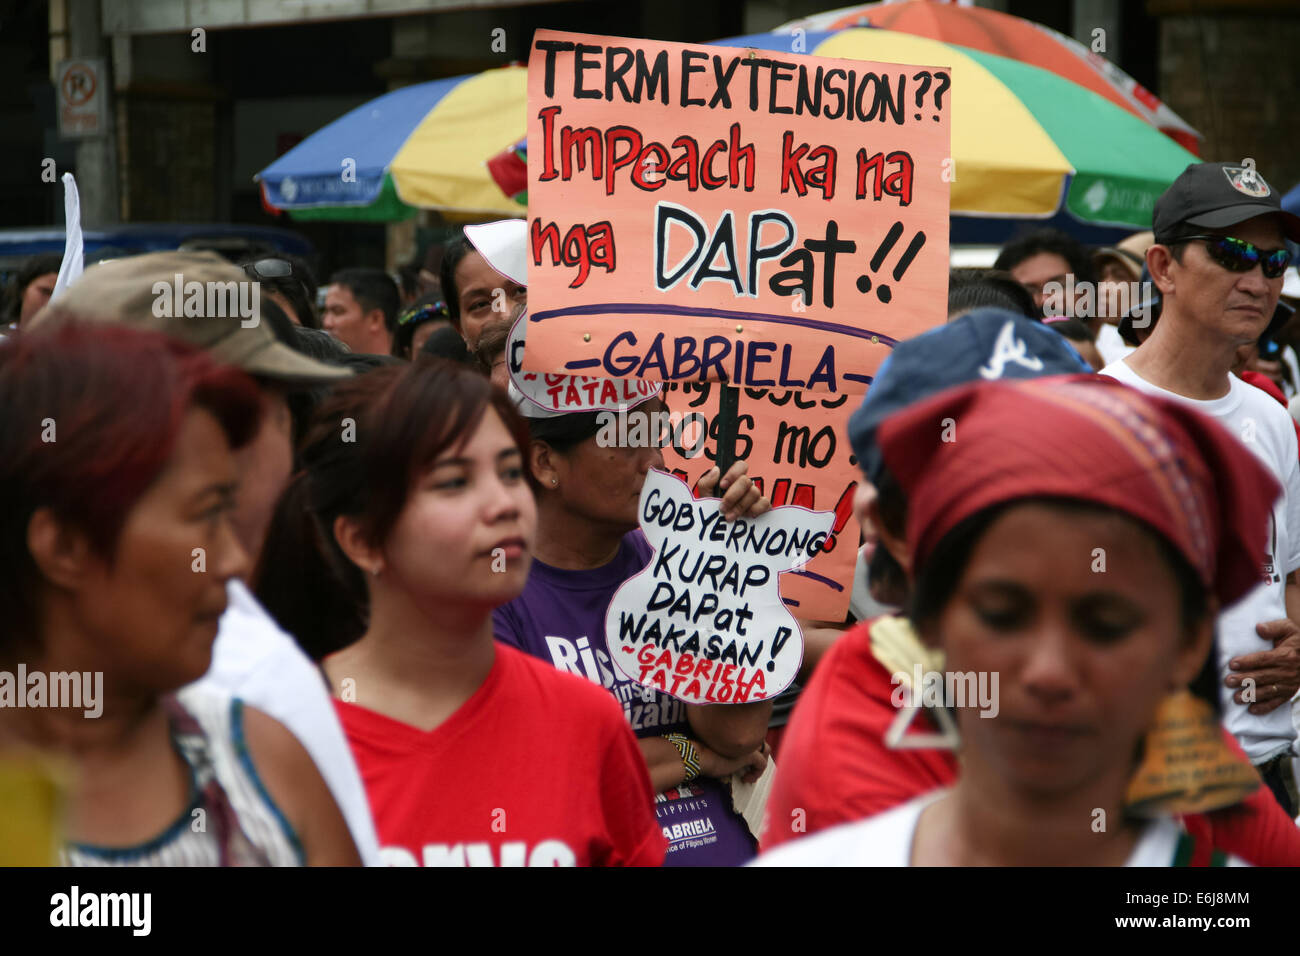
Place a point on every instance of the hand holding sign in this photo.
(704, 621)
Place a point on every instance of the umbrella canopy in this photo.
(1291, 201)
(419, 146)
(1000, 33)
(1025, 142)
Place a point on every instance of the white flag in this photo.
(73, 249)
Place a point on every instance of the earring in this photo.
(896, 645)
(375, 572)
(1186, 767)
(555, 481)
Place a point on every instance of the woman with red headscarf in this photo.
(1073, 539)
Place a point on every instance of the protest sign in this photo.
(796, 446)
(504, 246)
(707, 213)
(703, 621)
(545, 394)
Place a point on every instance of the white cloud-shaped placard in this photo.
(704, 620)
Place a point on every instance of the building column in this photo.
(97, 158)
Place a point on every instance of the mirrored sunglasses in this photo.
(1238, 255)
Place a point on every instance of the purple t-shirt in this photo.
(560, 618)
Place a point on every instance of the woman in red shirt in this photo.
(473, 754)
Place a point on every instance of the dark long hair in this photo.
(367, 443)
(457, 248)
(886, 575)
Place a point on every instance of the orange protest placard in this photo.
(796, 446)
(704, 213)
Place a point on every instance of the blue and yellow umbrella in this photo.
(422, 146)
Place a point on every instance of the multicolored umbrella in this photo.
(509, 170)
(995, 32)
(1025, 142)
(422, 146)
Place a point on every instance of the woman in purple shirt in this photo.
(588, 544)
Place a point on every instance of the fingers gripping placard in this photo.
(704, 213)
(704, 620)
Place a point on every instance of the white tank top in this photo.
(231, 819)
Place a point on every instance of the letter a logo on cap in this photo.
(1006, 349)
(1252, 185)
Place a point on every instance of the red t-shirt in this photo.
(537, 768)
(835, 766)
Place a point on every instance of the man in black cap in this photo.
(1218, 262)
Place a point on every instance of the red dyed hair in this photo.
(90, 417)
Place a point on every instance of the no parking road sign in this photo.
(83, 98)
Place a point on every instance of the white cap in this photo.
(504, 246)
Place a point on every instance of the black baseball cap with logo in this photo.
(1216, 195)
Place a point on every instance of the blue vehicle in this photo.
(232, 240)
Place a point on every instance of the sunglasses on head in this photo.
(270, 269)
(1238, 255)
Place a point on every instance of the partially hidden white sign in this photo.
(558, 394)
(704, 620)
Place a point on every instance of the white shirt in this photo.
(256, 661)
(1263, 426)
(1292, 363)
(886, 840)
(1111, 344)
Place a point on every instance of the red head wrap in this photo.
(1088, 439)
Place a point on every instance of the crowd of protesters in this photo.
(347, 587)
